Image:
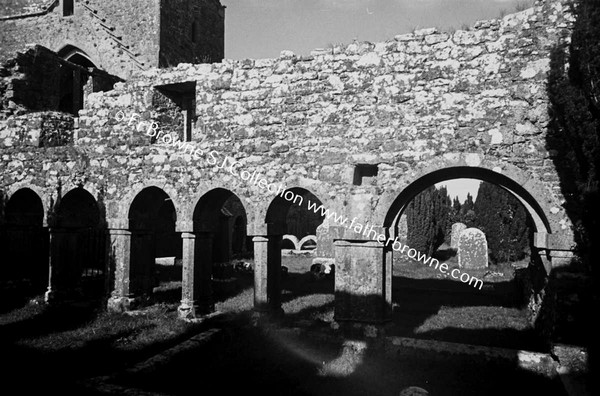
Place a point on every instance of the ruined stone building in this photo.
(362, 128)
(114, 36)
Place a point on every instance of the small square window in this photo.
(68, 7)
(364, 174)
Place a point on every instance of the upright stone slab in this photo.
(472, 249)
(457, 229)
(363, 287)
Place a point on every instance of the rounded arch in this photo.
(292, 239)
(292, 205)
(125, 202)
(152, 218)
(78, 244)
(190, 205)
(216, 212)
(530, 203)
(12, 190)
(24, 207)
(311, 240)
(319, 189)
(24, 241)
(148, 205)
(78, 208)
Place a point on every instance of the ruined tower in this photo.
(117, 36)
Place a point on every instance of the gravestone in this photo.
(457, 228)
(472, 249)
(414, 391)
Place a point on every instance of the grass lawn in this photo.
(81, 341)
(279, 362)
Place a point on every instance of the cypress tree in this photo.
(427, 220)
(574, 129)
(504, 221)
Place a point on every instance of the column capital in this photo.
(117, 223)
(188, 235)
(184, 226)
(118, 231)
(260, 238)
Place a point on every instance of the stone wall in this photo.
(37, 79)
(31, 82)
(414, 105)
(20, 7)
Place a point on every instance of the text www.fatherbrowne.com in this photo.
(233, 166)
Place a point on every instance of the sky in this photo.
(263, 28)
(460, 188)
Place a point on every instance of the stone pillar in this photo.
(196, 288)
(267, 274)
(363, 281)
(55, 272)
(119, 260)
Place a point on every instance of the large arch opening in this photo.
(219, 225)
(78, 246)
(155, 245)
(24, 245)
(290, 212)
(442, 299)
(534, 209)
(292, 218)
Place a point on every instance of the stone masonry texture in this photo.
(120, 37)
(412, 105)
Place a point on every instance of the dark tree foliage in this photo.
(453, 217)
(456, 205)
(504, 221)
(574, 129)
(427, 220)
(464, 213)
(574, 140)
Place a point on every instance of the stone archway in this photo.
(77, 247)
(267, 248)
(24, 242)
(152, 218)
(209, 240)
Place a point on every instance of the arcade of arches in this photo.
(363, 130)
(83, 256)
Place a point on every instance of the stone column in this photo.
(363, 279)
(267, 274)
(55, 272)
(196, 287)
(119, 258)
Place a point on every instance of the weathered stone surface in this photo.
(419, 104)
(457, 229)
(120, 37)
(360, 289)
(472, 249)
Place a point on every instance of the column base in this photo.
(120, 304)
(193, 310)
(262, 316)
